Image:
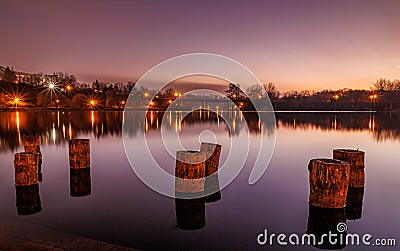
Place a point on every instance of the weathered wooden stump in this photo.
(79, 182)
(190, 213)
(321, 221)
(28, 199)
(190, 172)
(213, 152)
(354, 203)
(79, 153)
(329, 182)
(32, 144)
(356, 160)
(26, 167)
(211, 187)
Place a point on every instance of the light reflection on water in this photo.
(120, 209)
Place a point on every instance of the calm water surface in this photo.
(122, 210)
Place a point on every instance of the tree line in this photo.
(61, 90)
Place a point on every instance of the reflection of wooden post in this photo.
(189, 172)
(32, 144)
(190, 213)
(212, 151)
(79, 182)
(329, 181)
(28, 199)
(79, 153)
(356, 160)
(323, 220)
(26, 168)
(354, 203)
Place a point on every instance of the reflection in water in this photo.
(58, 127)
(28, 199)
(79, 182)
(381, 125)
(354, 203)
(190, 213)
(321, 221)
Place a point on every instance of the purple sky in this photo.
(296, 44)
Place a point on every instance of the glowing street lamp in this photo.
(68, 87)
(52, 86)
(373, 97)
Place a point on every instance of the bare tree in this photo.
(271, 90)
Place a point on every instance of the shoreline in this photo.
(159, 110)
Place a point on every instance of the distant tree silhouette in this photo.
(271, 90)
(234, 92)
(9, 75)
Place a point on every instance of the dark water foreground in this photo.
(121, 210)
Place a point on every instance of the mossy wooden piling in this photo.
(356, 160)
(80, 182)
(32, 144)
(79, 153)
(329, 181)
(190, 171)
(28, 199)
(26, 167)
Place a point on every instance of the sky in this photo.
(295, 44)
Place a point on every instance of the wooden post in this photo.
(190, 213)
(212, 151)
(79, 153)
(28, 199)
(324, 220)
(79, 182)
(40, 174)
(354, 203)
(26, 167)
(329, 182)
(211, 187)
(190, 172)
(32, 144)
(356, 160)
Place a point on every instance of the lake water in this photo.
(120, 209)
